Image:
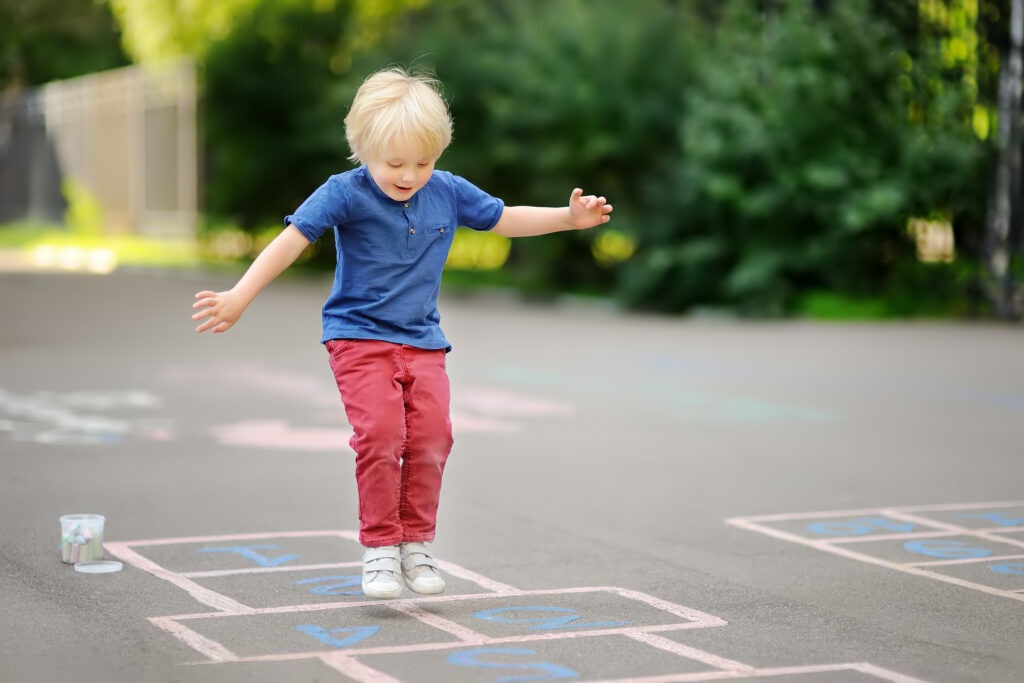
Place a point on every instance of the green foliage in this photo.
(797, 167)
(158, 30)
(84, 215)
(763, 156)
(273, 123)
(45, 40)
(547, 96)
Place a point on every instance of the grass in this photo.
(44, 245)
(830, 306)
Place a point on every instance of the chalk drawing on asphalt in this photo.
(294, 596)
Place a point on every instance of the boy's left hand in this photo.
(588, 212)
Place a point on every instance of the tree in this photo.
(156, 30)
(1007, 294)
(798, 166)
(45, 40)
(275, 87)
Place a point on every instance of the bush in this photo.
(797, 166)
(272, 120)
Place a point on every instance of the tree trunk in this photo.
(1004, 291)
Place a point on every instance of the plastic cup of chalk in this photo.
(81, 543)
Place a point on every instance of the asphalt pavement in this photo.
(630, 497)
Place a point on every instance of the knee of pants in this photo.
(378, 442)
(434, 452)
(436, 442)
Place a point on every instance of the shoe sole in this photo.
(382, 595)
(429, 590)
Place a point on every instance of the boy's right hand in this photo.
(221, 310)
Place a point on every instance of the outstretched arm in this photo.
(527, 221)
(221, 310)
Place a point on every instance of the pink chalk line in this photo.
(459, 631)
(910, 535)
(198, 642)
(272, 570)
(828, 514)
(688, 652)
(968, 560)
(355, 670)
(184, 540)
(697, 677)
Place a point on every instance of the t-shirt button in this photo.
(407, 205)
(412, 231)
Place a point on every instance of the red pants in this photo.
(397, 400)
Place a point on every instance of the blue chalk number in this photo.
(566, 620)
(859, 526)
(342, 585)
(327, 636)
(545, 671)
(249, 553)
(947, 550)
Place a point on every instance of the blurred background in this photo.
(768, 158)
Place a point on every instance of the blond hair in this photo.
(392, 104)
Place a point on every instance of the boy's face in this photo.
(403, 169)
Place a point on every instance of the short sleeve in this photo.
(322, 210)
(477, 209)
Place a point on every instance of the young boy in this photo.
(394, 219)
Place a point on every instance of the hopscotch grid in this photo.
(691, 615)
(906, 513)
(344, 661)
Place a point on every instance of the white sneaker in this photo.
(381, 568)
(419, 570)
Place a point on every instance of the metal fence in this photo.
(126, 136)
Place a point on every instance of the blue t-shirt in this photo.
(391, 253)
